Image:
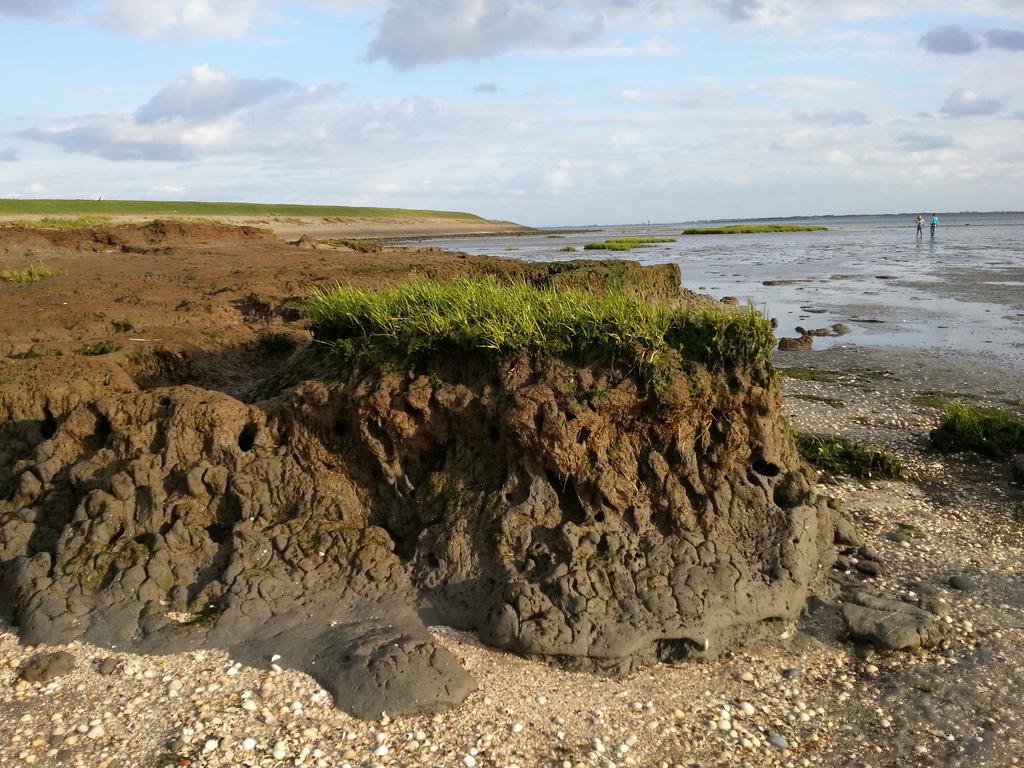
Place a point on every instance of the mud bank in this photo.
(560, 509)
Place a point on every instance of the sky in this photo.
(545, 112)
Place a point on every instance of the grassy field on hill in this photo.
(174, 208)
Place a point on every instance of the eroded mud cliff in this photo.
(561, 509)
(558, 510)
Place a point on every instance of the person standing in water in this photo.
(935, 223)
(920, 225)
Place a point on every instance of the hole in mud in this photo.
(494, 434)
(662, 519)
(108, 577)
(766, 468)
(435, 459)
(340, 428)
(247, 439)
(219, 533)
(669, 651)
(102, 432)
(599, 516)
(147, 540)
(569, 500)
(538, 420)
(432, 560)
(519, 494)
(583, 436)
(49, 426)
(165, 401)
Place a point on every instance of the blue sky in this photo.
(546, 112)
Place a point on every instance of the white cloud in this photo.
(182, 18)
(964, 102)
(921, 141)
(833, 117)
(206, 93)
(1007, 39)
(415, 32)
(36, 9)
(951, 39)
(205, 111)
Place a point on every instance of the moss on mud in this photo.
(845, 456)
(987, 431)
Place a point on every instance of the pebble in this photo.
(96, 732)
(280, 750)
(778, 741)
(962, 583)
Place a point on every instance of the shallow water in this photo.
(962, 290)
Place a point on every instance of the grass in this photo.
(97, 348)
(31, 274)
(568, 249)
(988, 431)
(80, 222)
(626, 243)
(909, 529)
(465, 315)
(362, 246)
(845, 456)
(66, 208)
(834, 402)
(122, 326)
(751, 229)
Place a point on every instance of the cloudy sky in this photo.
(546, 112)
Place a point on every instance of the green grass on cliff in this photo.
(466, 315)
(988, 431)
(751, 229)
(626, 243)
(80, 222)
(73, 208)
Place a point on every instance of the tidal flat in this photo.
(181, 321)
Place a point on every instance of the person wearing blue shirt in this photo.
(935, 223)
